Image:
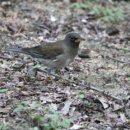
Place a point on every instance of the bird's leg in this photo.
(46, 70)
(41, 68)
(49, 70)
(57, 71)
(31, 73)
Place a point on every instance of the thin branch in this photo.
(88, 87)
(6, 58)
(124, 62)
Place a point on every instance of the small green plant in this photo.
(81, 95)
(86, 5)
(34, 128)
(3, 90)
(26, 105)
(4, 127)
(112, 14)
(128, 78)
(109, 14)
(52, 121)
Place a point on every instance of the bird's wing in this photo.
(47, 51)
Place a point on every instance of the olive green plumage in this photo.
(54, 55)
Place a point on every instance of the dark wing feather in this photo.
(47, 51)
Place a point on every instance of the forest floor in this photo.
(92, 94)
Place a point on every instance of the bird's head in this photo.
(73, 39)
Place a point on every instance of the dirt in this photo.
(93, 92)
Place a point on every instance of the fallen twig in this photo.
(88, 87)
(6, 58)
(104, 93)
(113, 47)
(124, 62)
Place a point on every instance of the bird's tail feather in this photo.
(19, 50)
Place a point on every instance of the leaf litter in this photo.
(93, 92)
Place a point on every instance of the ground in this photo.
(92, 94)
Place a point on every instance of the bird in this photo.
(54, 55)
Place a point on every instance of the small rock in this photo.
(112, 31)
(20, 84)
(84, 53)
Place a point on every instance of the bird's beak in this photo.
(79, 40)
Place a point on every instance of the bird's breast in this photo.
(72, 53)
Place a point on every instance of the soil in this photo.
(93, 91)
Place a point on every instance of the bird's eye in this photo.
(72, 38)
(75, 38)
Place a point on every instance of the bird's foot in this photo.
(48, 71)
